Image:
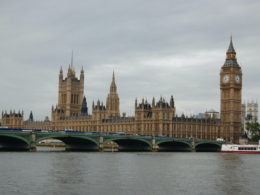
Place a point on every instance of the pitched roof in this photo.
(231, 48)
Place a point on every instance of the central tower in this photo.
(231, 92)
(112, 103)
(71, 91)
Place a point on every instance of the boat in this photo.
(244, 149)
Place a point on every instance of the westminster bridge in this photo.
(26, 140)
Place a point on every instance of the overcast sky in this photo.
(156, 48)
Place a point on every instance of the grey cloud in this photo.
(155, 48)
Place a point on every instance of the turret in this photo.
(84, 108)
(172, 102)
(31, 116)
(82, 74)
(153, 102)
(61, 74)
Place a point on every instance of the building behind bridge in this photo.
(156, 118)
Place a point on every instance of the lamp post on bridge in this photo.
(193, 145)
(32, 142)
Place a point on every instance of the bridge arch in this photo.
(174, 145)
(207, 147)
(74, 143)
(130, 144)
(14, 142)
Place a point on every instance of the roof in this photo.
(231, 48)
(211, 110)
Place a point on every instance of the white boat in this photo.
(245, 149)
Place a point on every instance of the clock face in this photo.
(237, 79)
(225, 79)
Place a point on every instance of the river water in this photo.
(52, 171)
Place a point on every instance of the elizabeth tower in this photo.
(231, 92)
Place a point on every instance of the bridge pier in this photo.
(193, 145)
(101, 143)
(32, 143)
(154, 147)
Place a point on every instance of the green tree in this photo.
(255, 138)
(253, 128)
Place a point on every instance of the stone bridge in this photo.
(26, 140)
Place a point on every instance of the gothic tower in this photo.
(112, 103)
(231, 92)
(71, 91)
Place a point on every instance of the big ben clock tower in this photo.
(231, 92)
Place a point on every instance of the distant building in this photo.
(249, 113)
(213, 114)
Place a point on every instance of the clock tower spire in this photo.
(231, 92)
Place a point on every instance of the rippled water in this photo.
(48, 172)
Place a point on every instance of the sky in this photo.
(156, 48)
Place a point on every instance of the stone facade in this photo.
(249, 113)
(231, 92)
(252, 109)
(156, 118)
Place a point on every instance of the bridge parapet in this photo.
(95, 141)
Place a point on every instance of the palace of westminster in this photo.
(158, 118)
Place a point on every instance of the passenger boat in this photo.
(245, 149)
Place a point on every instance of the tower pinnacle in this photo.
(231, 49)
(113, 87)
(231, 60)
(112, 102)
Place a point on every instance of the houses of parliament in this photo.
(157, 118)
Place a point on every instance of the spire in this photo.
(231, 48)
(31, 116)
(82, 71)
(84, 108)
(113, 77)
(231, 60)
(113, 88)
(172, 102)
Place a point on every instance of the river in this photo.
(53, 171)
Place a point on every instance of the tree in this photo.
(255, 138)
(253, 128)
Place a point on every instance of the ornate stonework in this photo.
(231, 91)
(156, 118)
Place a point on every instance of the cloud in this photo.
(155, 48)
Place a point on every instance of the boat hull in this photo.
(242, 152)
(240, 149)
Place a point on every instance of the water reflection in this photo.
(48, 172)
(231, 172)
